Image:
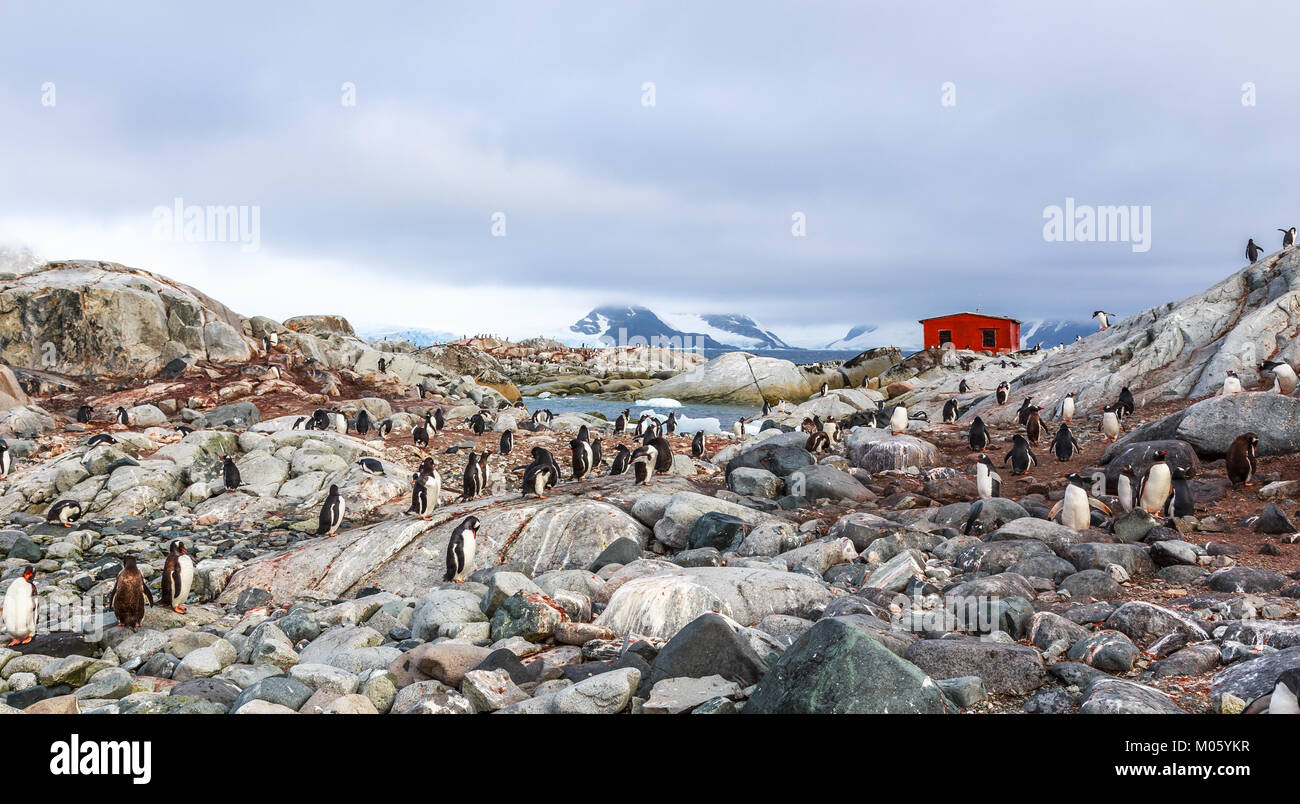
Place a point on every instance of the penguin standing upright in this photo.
(1126, 488)
(331, 513)
(1003, 391)
(1033, 425)
(1020, 456)
(987, 481)
(643, 462)
(420, 496)
(1022, 415)
(177, 578)
(478, 423)
(383, 365)
(230, 473)
(1241, 463)
(1288, 237)
(1180, 502)
(767, 408)
(663, 453)
(581, 455)
(129, 594)
(507, 441)
(963, 386)
(597, 457)
(621, 456)
(440, 420)
(472, 480)
(1125, 406)
(363, 422)
(898, 420)
(826, 388)
(20, 609)
(671, 426)
(6, 459)
(420, 433)
(1231, 384)
(1156, 485)
(84, 413)
(120, 417)
(460, 550)
(1103, 319)
(620, 424)
(541, 474)
(64, 512)
(950, 411)
(1284, 377)
(338, 421)
(1064, 444)
(1074, 510)
(1110, 421)
(1252, 250)
(1067, 407)
(979, 435)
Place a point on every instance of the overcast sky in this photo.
(913, 205)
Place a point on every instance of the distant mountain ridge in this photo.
(1052, 333)
(619, 324)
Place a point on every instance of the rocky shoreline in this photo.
(760, 577)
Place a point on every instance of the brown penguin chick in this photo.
(1241, 464)
(128, 595)
(1033, 425)
(807, 426)
(818, 442)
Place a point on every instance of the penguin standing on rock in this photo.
(20, 609)
(230, 473)
(1231, 384)
(460, 550)
(987, 481)
(1103, 319)
(1156, 485)
(363, 422)
(817, 443)
(472, 481)
(950, 411)
(331, 514)
(64, 512)
(979, 435)
(898, 420)
(1284, 377)
(1252, 250)
(121, 417)
(177, 578)
(1020, 456)
(84, 413)
(542, 473)
(1126, 488)
(621, 456)
(963, 386)
(1241, 463)
(1180, 502)
(1064, 444)
(1110, 421)
(6, 459)
(1288, 237)
(507, 441)
(1075, 508)
(129, 594)
(1003, 391)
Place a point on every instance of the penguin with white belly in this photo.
(1073, 509)
(177, 578)
(1110, 421)
(20, 609)
(1156, 485)
(1126, 487)
(1231, 384)
(460, 550)
(987, 481)
(1020, 456)
(331, 514)
(1284, 377)
(898, 420)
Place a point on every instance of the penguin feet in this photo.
(178, 609)
(67, 524)
(14, 641)
(28, 639)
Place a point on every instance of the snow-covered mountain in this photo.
(1051, 333)
(616, 324)
(416, 335)
(860, 337)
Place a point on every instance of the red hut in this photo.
(982, 333)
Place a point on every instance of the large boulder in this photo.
(1210, 425)
(739, 378)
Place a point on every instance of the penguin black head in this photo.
(177, 548)
(334, 491)
(28, 572)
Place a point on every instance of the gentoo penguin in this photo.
(100, 438)
(898, 420)
(620, 424)
(1125, 405)
(979, 435)
(643, 462)
(383, 427)
(963, 386)
(472, 480)
(184, 431)
(697, 445)
(987, 481)
(807, 426)
(331, 513)
(1020, 456)
(120, 416)
(6, 459)
(597, 457)
(338, 420)
(1033, 425)
(1283, 700)
(1110, 421)
(1241, 463)
(542, 473)
(663, 453)
(1022, 415)
(738, 427)
(1180, 502)
(298, 422)
(419, 496)
(1156, 485)
(1288, 237)
(1126, 488)
(1231, 384)
(621, 457)
(20, 609)
(478, 423)
(541, 417)
(1067, 407)
(177, 578)
(950, 412)
(671, 425)
(641, 425)
(383, 365)
(485, 472)
(831, 428)
(1103, 319)
(230, 473)
(1284, 377)
(826, 388)
(372, 466)
(65, 512)
(1075, 508)
(581, 457)
(460, 550)
(129, 594)
(84, 413)
(363, 422)
(507, 441)
(1003, 391)
(1064, 444)
(420, 433)
(320, 419)
(440, 420)
(818, 442)
(1252, 250)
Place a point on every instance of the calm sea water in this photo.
(690, 417)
